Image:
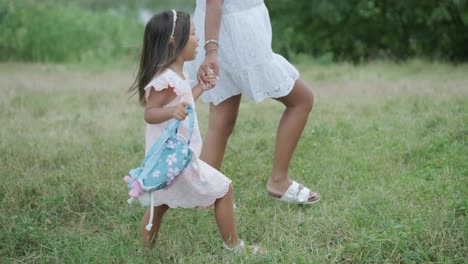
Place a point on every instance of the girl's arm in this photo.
(197, 90)
(155, 113)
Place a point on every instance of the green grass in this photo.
(386, 146)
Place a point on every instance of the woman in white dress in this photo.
(237, 45)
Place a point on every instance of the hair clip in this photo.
(173, 24)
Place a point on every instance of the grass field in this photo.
(386, 146)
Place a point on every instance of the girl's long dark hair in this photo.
(158, 50)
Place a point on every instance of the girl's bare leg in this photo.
(148, 238)
(224, 214)
(298, 104)
(222, 120)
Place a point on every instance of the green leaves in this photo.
(365, 29)
(50, 32)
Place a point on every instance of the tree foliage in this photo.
(352, 30)
(54, 32)
(364, 29)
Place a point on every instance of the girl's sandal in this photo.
(242, 249)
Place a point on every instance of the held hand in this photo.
(210, 81)
(179, 111)
(210, 63)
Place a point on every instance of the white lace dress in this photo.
(247, 63)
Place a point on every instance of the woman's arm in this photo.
(212, 26)
(212, 21)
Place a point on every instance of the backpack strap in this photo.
(150, 222)
(171, 129)
(191, 120)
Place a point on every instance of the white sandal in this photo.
(297, 194)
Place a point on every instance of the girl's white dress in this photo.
(247, 63)
(194, 186)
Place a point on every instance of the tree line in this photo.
(337, 30)
(359, 30)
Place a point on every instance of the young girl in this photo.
(163, 88)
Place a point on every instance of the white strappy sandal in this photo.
(297, 194)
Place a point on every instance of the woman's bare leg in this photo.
(298, 104)
(224, 214)
(149, 237)
(222, 120)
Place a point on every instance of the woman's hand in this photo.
(200, 87)
(210, 80)
(210, 64)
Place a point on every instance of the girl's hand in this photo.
(210, 63)
(210, 81)
(179, 111)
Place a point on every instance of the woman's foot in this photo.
(292, 193)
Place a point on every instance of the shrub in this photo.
(365, 29)
(46, 31)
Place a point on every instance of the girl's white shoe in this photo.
(241, 249)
